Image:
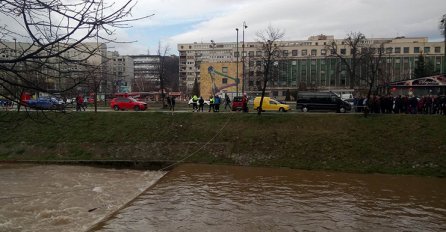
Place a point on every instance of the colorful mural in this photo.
(218, 78)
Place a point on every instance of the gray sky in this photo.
(180, 21)
(183, 21)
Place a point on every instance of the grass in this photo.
(398, 144)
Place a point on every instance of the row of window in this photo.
(342, 51)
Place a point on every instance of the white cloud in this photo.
(180, 21)
(303, 18)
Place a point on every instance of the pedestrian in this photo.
(217, 101)
(245, 103)
(194, 103)
(172, 103)
(79, 102)
(211, 103)
(227, 102)
(85, 103)
(168, 103)
(201, 104)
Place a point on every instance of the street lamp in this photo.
(213, 45)
(243, 58)
(236, 78)
(443, 26)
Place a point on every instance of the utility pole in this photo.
(443, 27)
(243, 58)
(236, 75)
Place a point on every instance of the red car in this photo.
(126, 103)
(237, 103)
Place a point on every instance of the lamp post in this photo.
(243, 57)
(443, 26)
(236, 75)
(15, 47)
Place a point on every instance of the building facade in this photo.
(308, 64)
(78, 66)
(146, 72)
(121, 72)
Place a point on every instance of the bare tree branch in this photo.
(269, 39)
(56, 41)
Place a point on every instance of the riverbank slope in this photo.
(394, 144)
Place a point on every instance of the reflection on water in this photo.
(226, 198)
(64, 198)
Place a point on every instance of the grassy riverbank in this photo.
(396, 144)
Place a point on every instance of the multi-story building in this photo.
(146, 72)
(75, 66)
(307, 64)
(121, 71)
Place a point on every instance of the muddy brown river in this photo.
(216, 198)
(228, 198)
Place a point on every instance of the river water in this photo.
(216, 198)
(228, 198)
(65, 198)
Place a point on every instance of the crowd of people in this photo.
(198, 103)
(402, 104)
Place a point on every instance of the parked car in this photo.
(307, 101)
(45, 103)
(5, 102)
(237, 103)
(126, 103)
(270, 104)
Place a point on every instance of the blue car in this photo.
(45, 103)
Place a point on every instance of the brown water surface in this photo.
(228, 198)
(65, 198)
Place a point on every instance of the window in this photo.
(416, 50)
(224, 69)
(236, 54)
(251, 83)
(224, 80)
(294, 52)
(397, 50)
(406, 50)
(389, 50)
(313, 52)
(343, 51)
(304, 52)
(437, 49)
(427, 49)
(285, 53)
(323, 52)
(275, 94)
(258, 53)
(251, 53)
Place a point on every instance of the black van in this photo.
(307, 101)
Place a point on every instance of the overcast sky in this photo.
(184, 21)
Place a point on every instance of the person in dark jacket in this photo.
(200, 104)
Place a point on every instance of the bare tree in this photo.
(269, 39)
(60, 42)
(372, 63)
(162, 52)
(350, 59)
(443, 32)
